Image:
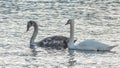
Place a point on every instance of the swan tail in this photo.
(111, 47)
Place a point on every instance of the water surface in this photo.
(94, 19)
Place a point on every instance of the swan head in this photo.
(70, 21)
(29, 24)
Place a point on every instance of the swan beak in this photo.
(67, 23)
(27, 29)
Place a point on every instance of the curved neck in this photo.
(34, 33)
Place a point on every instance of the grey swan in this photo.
(88, 44)
(53, 42)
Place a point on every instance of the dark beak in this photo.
(27, 28)
(66, 23)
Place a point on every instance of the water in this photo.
(94, 19)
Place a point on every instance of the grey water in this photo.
(94, 19)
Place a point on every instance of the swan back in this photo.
(54, 42)
(91, 44)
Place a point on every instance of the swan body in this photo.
(93, 45)
(54, 42)
(88, 44)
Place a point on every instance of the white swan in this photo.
(54, 42)
(87, 44)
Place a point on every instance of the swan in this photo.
(88, 44)
(54, 42)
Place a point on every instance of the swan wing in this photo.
(93, 45)
(54, 42)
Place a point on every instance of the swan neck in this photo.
(34, 33)
(71, 33)
(71, 40)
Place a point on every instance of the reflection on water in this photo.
(94, 52)
(72, 54)
(34, 52)
(71, 57)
